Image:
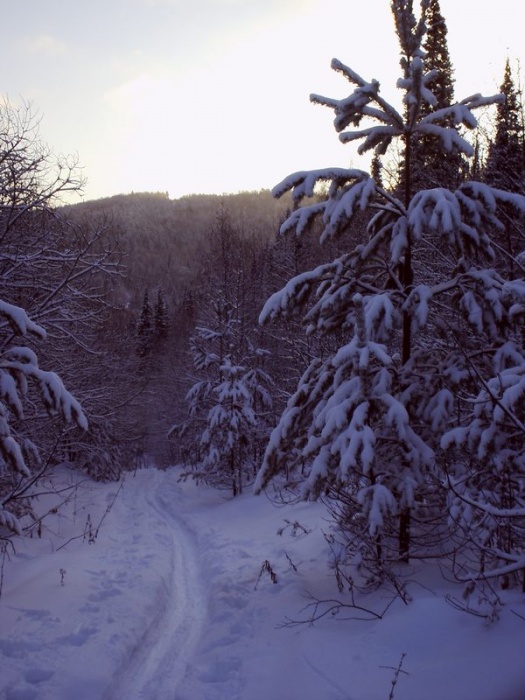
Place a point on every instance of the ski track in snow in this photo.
(159, 607)
(158, 665)
(171, 602)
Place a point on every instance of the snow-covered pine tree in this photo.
(227, 442)
(230, 402)
(229, 406)
(429, 322)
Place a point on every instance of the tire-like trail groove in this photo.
(159, 663)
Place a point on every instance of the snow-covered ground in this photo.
(173, 601)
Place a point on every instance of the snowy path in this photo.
(171, 602)
(125, 617)
(159, 663)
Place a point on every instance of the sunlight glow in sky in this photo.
(212, 96)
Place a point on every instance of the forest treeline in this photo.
(348, 336)
(163, 239)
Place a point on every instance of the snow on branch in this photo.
(11, 453)
(10, 521)
(450, 214)
(10, 388)
(436, 210)
(303, 183)
(450, 139)
(439, 409)
(351, 110)
(345, 70)
(348, 192)
(458, 114)
(465, 216)
(377, 502)
(58, 400)
(300, 219)
(376, 137)
(294, 294)
(17, 366)
(517, 201)
(387, 109)
(343, 202)
(491, 510)
(481, 207)
(503, 397)
(418, 304)
(415, 85)
(366, 102)
(476, 101)
(19, 321)
(380, 317)
(517, 565)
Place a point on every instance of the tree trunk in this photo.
(404, 535)
(407, 279)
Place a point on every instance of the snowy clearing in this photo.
(173, 601)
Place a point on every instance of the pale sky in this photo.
(212, 96)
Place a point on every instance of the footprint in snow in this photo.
(19, 648)
(78, 638)
(21, 693)
(99, 596)
(35, 614)
(37, 675)
(89, 608)
(220, 671)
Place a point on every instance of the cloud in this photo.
(47, 45)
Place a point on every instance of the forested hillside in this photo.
(164, 239)
(171, 267)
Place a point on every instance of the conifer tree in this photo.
(376, 168)
(228, 441)
(505, 167)
(229, 402)
(160, 316)
(432, 165)
(145, 328)
(391, 416)
(437, 57)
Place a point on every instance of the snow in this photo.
(59, 400)
(19, 320)
(173, 599)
